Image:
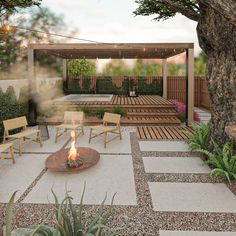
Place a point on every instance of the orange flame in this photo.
(72, 155)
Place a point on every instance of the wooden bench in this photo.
(23, 135)
(10, 155)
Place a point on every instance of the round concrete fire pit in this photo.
(57, 162)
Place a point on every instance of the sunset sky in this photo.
(114, 21)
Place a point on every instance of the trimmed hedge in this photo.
(10, 107)
(74, 86)
(155, 88)
(104, 85)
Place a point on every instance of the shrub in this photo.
(68, 221)
(155, 88)
(87, 111)
(181, 110)
(119, 110)
(100, 113)
(106, 86)
(223, 160)
(198, 139)
(47, 112)
(10, 107)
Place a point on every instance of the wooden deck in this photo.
(148, 110)
(162, 133)
(140, 101)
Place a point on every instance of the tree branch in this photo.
(191, 14)
(227, 8)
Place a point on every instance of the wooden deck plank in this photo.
(163, 133)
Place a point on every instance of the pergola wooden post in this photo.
(32, 115)
(190, 86)
(164, 76)
(64, 69)
(31, 71)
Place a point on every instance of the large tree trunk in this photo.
(217, 37)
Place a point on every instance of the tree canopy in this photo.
(8, 6)
(189, 8)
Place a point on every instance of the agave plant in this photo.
(198, 139)
(69, 221)
(223, 160)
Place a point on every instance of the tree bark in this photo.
(217, 37)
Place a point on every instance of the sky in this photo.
(113, 21)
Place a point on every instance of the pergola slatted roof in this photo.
(113, 50)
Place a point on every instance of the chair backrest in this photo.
(73, 116)
(111, 118)
(19, 122)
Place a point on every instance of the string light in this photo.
(8, 28)
(45, 35)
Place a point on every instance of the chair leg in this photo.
(90, 134)
(39, 138)
(20, 146)
(82, 128)
(56, 135)
(105, 139)
(120, 133)
(11, 152)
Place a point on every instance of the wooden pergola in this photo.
(120, 51)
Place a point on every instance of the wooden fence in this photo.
(176, 89)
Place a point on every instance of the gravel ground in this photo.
(140, 219)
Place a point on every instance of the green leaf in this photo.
(9, 215)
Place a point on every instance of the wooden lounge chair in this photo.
(23, 135)
(104, 129)
(73, 120)
(10, 155)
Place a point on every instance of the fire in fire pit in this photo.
(73, 159)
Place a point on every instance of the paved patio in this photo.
(162, 188)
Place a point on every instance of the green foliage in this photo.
(10, 107)
(40, 19)
(87, 111)
(47, 112)
(119, 110)
(198, 139)
(154, 88)
(164, 11)
(9, 6)
(223, 160)
(145, 69)
(79, 68)
(7, 224)
(106, 86)
(181, 117)
(100, 113)
(68, 220)
(74, 86)
(200, 64)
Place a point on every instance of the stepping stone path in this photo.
(195, 233)
(175, 165)
(181, 196)
(163, 146)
